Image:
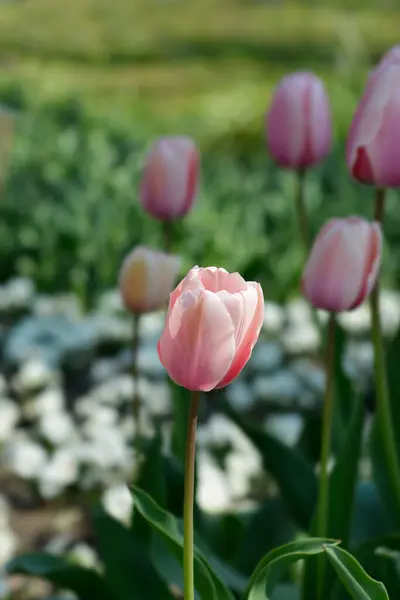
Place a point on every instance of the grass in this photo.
(187, 65)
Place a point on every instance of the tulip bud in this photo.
(373, 144)
(343, 264)
(169, 185)
(299, 130)
(213, 322)
(147, 278)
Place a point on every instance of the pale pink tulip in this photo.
(169, 185)
(147, 278)
(213, 322)
(373, 144)
(343, 264)
(299, 129)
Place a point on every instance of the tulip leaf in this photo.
(269, 568)
(128, 566)
(290, 469)
(85, 583)
(357, 582)
(208, 584)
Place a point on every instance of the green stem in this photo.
(135, 375)
(188, 570)
(167, 231)
(323, 494)
(301, 209)
(384, 415)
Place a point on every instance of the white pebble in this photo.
(281, 387)
(274, 318)
(9, 416)
(60, 471)
(33, 375)
(240, 396)
(57, 427)
(213, 493)
(287, 427)
(24, 457)
(117, 501)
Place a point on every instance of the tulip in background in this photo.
(341, 272)
(146, 279)
(213, 322)
(169, 185)
(373, 144)
(343, 265)
(299, 132)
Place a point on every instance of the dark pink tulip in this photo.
(373, 143)
(169, 185)
(299, 130)
(343, 264)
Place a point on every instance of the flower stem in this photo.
(301, 209)
(188, 570)
(167, 232)
(323, 494)
(384, 415)
(135, 375)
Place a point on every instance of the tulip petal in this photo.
(198, 344)
(249, 333)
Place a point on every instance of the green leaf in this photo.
(359, 585)
(269, 568)
(208, 584)
(370, 519)
(286, 591)
(128, 567)
(292, 472)
(86, 583)
(269, 527)
(380, 557)
(344, 392)
(381, 474)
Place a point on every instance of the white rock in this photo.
(390, 311)
(300, 338)
(3, 385)
(33, 375)
(240, 396)
(312, 375)
(221, 431)
(24, 457)
(106, 449)
(84, 555)
(100, 419)
(8, 545)
(20, 292)
(117, 501)
(63, 304)
(241, 468)
(281, 387)
(155, 396)
(110, 302)
(213, 494)
(47, 402)
(298, 311)
(57, 427)
(9, 416)
(60, 471)
(151, 325)
(356, 322)
(149, 362)
(115, 391)
(267, 356)
(359, 359)
(111, 329)
(287, 427)
(274, 318)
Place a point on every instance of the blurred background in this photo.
(92, 83)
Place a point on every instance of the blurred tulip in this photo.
(343, 265)
(169, 184)
(373, 144)
(147, 278)
(213, 322)
(299, 130)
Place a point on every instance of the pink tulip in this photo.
(373, 144)
(213, 322)
(299, 130)
(147, 278)
(343, 265)
(169, 185)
